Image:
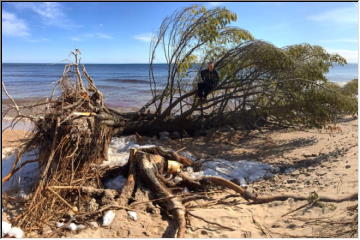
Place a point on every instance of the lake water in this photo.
(125, 85)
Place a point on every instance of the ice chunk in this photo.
(80, 227)
(72, 227)
(5, 228)
(16, 232)
(242, 171)
(177, 179)
(59, 224)
(118, 153)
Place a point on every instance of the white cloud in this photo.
(351, 56)
(145, 37)
(37, 40)
(341, 84)
(48, 10)
(215, 4)
(343, 40)
(103, 35)
(51, 13)
(87, 36)
(14, 26)
(76, 39)
(340, 16)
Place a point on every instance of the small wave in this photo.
(31, 75)
(107, 87)
(134, 81)
(25, 101)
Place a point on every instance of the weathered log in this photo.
(148, 167)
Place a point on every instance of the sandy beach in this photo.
(325, 162)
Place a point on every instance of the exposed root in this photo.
(70, 140)
(266, 199)
(209, 222)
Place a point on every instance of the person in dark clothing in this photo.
(210, 79)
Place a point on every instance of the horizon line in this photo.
(68, 63)
(99, 63)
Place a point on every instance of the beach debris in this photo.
(173, 167)
(73, 211)
(132, 215)
(108, 218)
(84, 114)
(94, 224)
(92, 205)
(72, 227)
(80, 226)
(59, 224)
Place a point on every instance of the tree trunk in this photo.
(150, 125)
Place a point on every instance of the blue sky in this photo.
(110, 32)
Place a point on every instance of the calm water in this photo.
(125, 85)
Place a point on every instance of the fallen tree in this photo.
(259, 83)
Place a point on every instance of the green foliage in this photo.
(312, 62)
(288, 85)
(351, 88)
